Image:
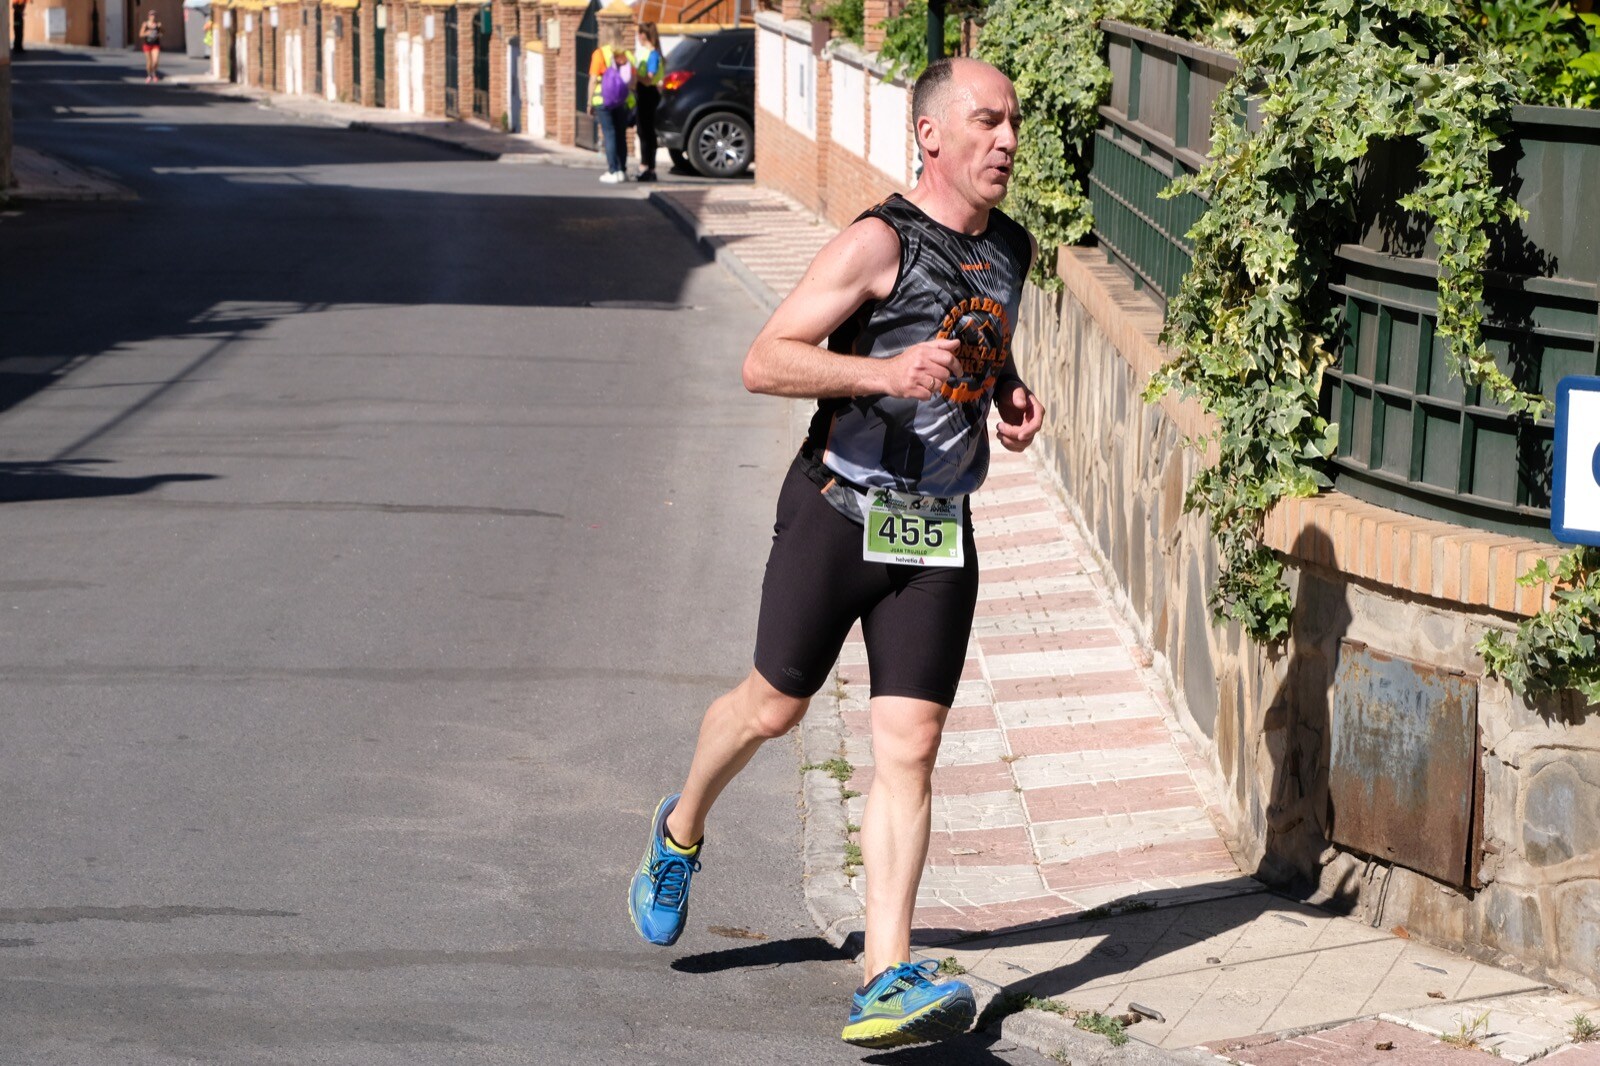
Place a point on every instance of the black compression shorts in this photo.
(916, 619)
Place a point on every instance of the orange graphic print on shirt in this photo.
(981, 326)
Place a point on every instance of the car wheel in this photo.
(680, 161)
(720, 145)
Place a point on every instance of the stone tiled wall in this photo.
(1416, 589)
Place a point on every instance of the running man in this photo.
(916, 301)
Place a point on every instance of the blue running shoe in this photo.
(904, 1005)
(659, 896)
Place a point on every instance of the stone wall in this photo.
(1420, 590)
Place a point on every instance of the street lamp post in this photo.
(935, 30)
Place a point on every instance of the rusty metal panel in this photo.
(1404, 779)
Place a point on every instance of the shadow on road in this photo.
(35, 482)
(770, 953)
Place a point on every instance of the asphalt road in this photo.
(365, 575)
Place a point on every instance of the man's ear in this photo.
(928, 135)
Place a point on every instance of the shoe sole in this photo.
(938, 1021)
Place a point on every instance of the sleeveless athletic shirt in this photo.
(949, 285)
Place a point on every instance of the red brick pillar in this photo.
(222, 35)
(466, 69)
(793, 9)
(549, 26)
(269, 48)
(432, 16)
(875, 11)
(368, 11)
(310, 47)
(566, 14)
(506, 33)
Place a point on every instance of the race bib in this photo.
(898, 527)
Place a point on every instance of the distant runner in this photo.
(150, 40)
(917, 301)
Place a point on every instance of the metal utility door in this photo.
(452, 60)
(1406, 779)
(586, 132)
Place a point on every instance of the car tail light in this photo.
(675, 79)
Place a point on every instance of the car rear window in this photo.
(683, 52)
(740, 57)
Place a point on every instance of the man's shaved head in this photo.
(934, 87)
(932, 90)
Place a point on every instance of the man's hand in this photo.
(919, 372)
(1021, 415)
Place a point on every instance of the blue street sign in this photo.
(1575, 493)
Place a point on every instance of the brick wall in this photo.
(433, 62)
(829, 178)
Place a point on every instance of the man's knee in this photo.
(770, 713)
(906, 733)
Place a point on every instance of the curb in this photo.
(361, 125)
(534, 156)
(717, 250)
(88, 186)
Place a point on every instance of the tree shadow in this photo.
(231, 235)
(69, 480)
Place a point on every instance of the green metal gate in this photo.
(586, 132)
(481, 29)
(452, 71)
(355, 55)
(379, 31)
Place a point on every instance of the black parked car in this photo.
(707, 115)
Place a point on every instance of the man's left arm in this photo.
(1021, 413)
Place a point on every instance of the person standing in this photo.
(19, 11)
(917, 301)
(651, 68)
(611, 102)
(150, 41)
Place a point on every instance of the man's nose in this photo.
(1006, 140)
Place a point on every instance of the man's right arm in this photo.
(787, 357)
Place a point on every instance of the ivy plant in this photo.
(905, 39)
(1557, 648)
(1251, 320)
(1053, 52)
(848, 18)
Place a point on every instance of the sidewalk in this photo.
(42, 177)
(1075, 857)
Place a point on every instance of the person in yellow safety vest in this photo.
(611, 100)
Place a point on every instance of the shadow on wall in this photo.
(1298, 726)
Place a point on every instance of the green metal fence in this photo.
(1412, 437)
(1156, 127)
